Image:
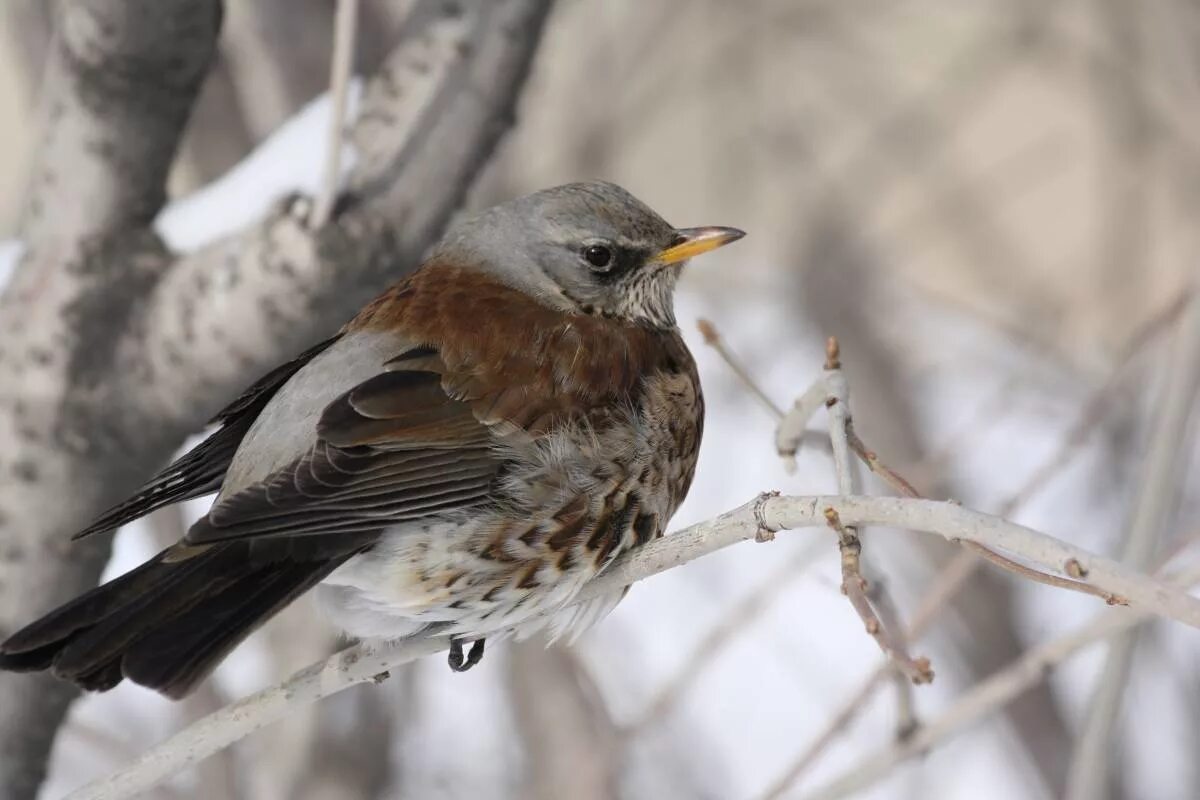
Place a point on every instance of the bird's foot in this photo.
(473, 657)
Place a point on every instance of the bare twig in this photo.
(1047, 579)
(897, 482)
(844, 439)
(854, 585)
(871, 459)
(712, 338)
(788, 435)
(344, 34)
(794, 425)
(906, 709)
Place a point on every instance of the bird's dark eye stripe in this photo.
(609, 262)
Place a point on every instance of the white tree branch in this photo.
(771, 512)
(791, 430)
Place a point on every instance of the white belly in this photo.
(392, 592)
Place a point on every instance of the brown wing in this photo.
(395, 447)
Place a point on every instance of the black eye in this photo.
(598, 255)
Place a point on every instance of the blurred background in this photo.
(990, 203)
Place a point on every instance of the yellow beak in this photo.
(692, 242)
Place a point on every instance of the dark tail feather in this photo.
(173, 660)
(164, 625)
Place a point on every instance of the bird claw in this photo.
(474, 655)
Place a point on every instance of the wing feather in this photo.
(395, 447)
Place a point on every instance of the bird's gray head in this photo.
(589, 248)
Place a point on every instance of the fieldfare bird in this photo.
(478, 443)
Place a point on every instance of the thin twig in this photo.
(854, 585)
(896, 481)
(344, 33)
(871, 459)
(1037, 576)
(906, 709)
(712, 338)
(793, 426)
(788, 435)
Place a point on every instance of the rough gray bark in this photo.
(121, 78)
(111, 350)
